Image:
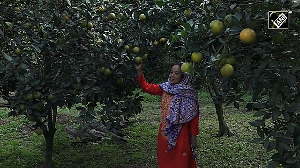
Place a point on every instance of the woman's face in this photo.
(176, 74)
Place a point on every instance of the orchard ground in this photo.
(21, 147)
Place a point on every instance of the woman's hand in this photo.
(194, 142)
(139, 68)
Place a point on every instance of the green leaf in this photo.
(210, 41)
(238, 16)
(271, 146)
(259, 113)
(160, 3)
(275, 99)
(247, 16)
(221, 14)
(9, 24)
(184, 2)
(186, 26)
(9, 58)
(291, 128)
(291, 79)
(254, 9)
(275, 113)
(24, 66)
(298, 163)
(286, 116)
(236, 105)
(276, 156)
(77, 8)
(290, 159)
(284, 146)
(256, 140)
(260, 69)
(260, 132)
(256, 123)
(222, 40)
(69, 3)
(183, 32)
(232, 6)
(259, 105)
(272, 164)
(266, 144)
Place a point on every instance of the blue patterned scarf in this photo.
(184, 107)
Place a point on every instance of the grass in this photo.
(20, 147)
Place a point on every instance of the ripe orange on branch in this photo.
(163, 40)
(107, 72)
(101, 70)
(111, 16)
(18, 51)
(37, 95)
(127, 47)
(186, 67)
(90, 25)
(247, 36)
(136, 50)
(50, 97)
(144, 57)
(138, 60)
(216, 27)
(101, 8)
(142, 17)
(66, 17)
(227, 70)
(29, 96)
(197, 57)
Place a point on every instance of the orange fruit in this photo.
(138, 60)
(227, 70)
(136, 50)
(197, 57)
(142, 17)
(278, 37)
(216, 27)
(186, 67)
(247, 36)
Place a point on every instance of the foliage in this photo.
(57, 50)
(61, 59)
(140, 150)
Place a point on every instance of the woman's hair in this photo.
(178, 63)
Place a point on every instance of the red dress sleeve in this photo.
(149, 87)
(195, 126)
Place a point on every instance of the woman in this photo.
(179, 118)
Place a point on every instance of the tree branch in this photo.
(4, 105)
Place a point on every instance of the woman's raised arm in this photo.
(147, 87)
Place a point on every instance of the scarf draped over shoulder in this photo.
(184, 107)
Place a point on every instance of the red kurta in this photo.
(181, 155)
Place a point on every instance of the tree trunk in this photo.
(223, 128)
(49, 136)
(217, 99)
(49, 163)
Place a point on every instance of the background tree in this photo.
(56, 54)
(51, 57)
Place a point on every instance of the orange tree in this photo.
(240, 55)
(84, 53)
(55, 54)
